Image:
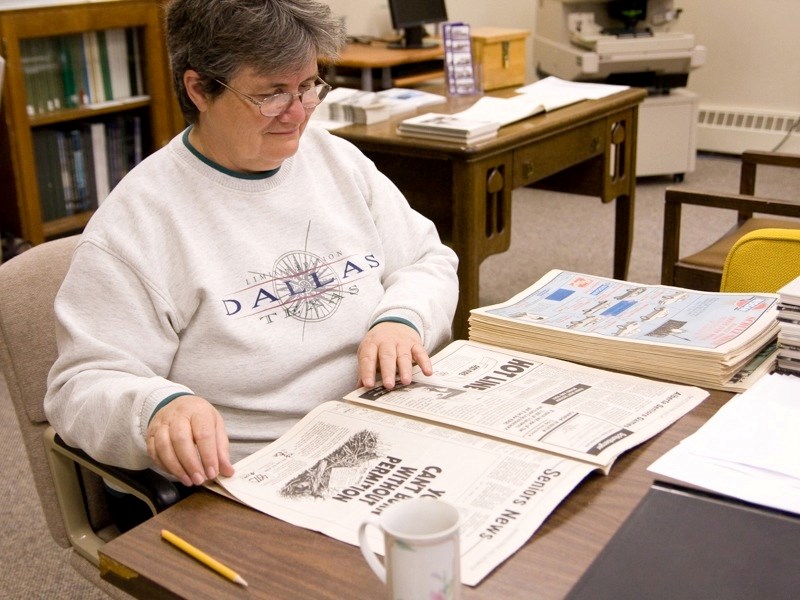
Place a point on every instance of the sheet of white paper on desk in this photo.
(749, 450)
(503, 110)
(555, 87)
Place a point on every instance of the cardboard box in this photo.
(499, 56)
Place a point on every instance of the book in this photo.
(504, 436)
(678, 543)
(448, 127)
(716, 340)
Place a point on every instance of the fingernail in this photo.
(198, 478)
(211, 472)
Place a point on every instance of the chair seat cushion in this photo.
(714, 256)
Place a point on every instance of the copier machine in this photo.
(629, 42)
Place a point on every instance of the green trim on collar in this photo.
(220, 168)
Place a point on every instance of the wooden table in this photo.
(587, 148)
(377, 55)
(283, 561)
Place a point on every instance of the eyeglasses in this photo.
(275, 104)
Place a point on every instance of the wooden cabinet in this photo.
(28, 133)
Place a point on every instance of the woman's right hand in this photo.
(187, 438)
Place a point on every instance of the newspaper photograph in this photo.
(554, 405)
(343, 463)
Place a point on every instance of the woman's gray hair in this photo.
(219, 38)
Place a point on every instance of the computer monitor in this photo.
(411, 16)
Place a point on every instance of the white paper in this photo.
(749, 450)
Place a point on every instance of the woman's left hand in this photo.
(391, 349)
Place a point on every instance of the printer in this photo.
(629, 42)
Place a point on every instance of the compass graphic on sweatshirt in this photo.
(307, 286)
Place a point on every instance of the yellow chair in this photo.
(68, 482)
(763, 260)
(703, 270)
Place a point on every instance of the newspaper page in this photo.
(343, 463)
(553, 405)
(631, 326)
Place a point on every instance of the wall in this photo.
(753, 50)
(371, 17)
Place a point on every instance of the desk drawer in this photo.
(551, 155)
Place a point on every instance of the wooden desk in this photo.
(377, 55)
(282, 561)
(586, 148)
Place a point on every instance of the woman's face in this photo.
(231, 131)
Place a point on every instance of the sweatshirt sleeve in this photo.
(116, 338)
(420, 280)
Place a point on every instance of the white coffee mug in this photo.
(421, 551)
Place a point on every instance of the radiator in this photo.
(728, 130)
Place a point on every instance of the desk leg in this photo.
(366, 79)
(621, 184)
(481, 225)
(386, 78)
(623, 238)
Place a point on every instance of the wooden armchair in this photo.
(703, 270)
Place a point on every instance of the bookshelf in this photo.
(47, 148)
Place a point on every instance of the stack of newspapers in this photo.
(789, 323)
(714, 340)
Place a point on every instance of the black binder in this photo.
(680, 543)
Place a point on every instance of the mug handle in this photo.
(371, 558)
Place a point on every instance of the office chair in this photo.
(763, 260)
(703, 270)
(68, 482)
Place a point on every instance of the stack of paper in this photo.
(748, 450)
(355, 106)
(452, 128)
(710, 339)
(343, 106)
(789, 333)
(405, 100)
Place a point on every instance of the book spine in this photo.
(105, 67)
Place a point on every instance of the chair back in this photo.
(763, 260)
(28, 286)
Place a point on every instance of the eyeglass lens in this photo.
(310, 98)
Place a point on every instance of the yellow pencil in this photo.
(203, 557)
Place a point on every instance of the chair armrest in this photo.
(153, 489)
(675, 198)
(752, 158)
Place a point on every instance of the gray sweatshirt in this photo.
(252, 292)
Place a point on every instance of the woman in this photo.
(239, 276)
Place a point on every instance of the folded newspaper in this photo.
(711, 339)
(504, 436)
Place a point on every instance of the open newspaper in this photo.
(504, 436)
(711, 339)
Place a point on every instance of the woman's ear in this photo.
(194, 89)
